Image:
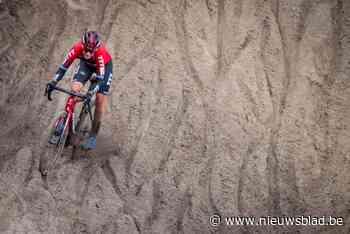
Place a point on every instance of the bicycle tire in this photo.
(54, 151)
(83, 126)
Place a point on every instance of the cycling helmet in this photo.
(91, 40)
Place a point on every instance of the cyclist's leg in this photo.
(76, 86)
(101, 99)
(81, 76)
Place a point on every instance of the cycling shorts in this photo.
(84, 72)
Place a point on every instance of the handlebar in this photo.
(87, 98)
(83, 96)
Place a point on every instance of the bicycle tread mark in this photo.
(180, 114)
(272, 159)
(228, 55)
(83, 180)
(275, 163)
(182, 36)
(111, 177)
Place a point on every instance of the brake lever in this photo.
(48, 93)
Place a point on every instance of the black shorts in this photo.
(85, 71)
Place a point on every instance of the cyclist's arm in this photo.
(102, 58)
(70, 57)
(100, 67)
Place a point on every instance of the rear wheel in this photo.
(82, 129)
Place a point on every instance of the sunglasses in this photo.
(89, 50)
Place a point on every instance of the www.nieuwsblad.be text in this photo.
(216, 220)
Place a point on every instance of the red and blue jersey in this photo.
(99, 59)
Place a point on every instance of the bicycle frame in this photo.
(70, 105)
(67, 119)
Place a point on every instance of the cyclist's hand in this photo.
(93, 77)
(92, 92)
(88, 97)
(49, 88)
(89, 94)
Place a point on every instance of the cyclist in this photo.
(94, 59)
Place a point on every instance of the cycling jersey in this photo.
(99, 59)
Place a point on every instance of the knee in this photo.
(76, 86)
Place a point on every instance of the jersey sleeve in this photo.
(72, 54)
(102, 58)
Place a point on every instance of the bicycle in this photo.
(66, 130)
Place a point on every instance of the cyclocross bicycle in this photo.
(67, 129)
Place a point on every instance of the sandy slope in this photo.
(218, 106)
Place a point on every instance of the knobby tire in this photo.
(80, 127)
(53, 152)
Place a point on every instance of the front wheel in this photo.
(55, 145)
